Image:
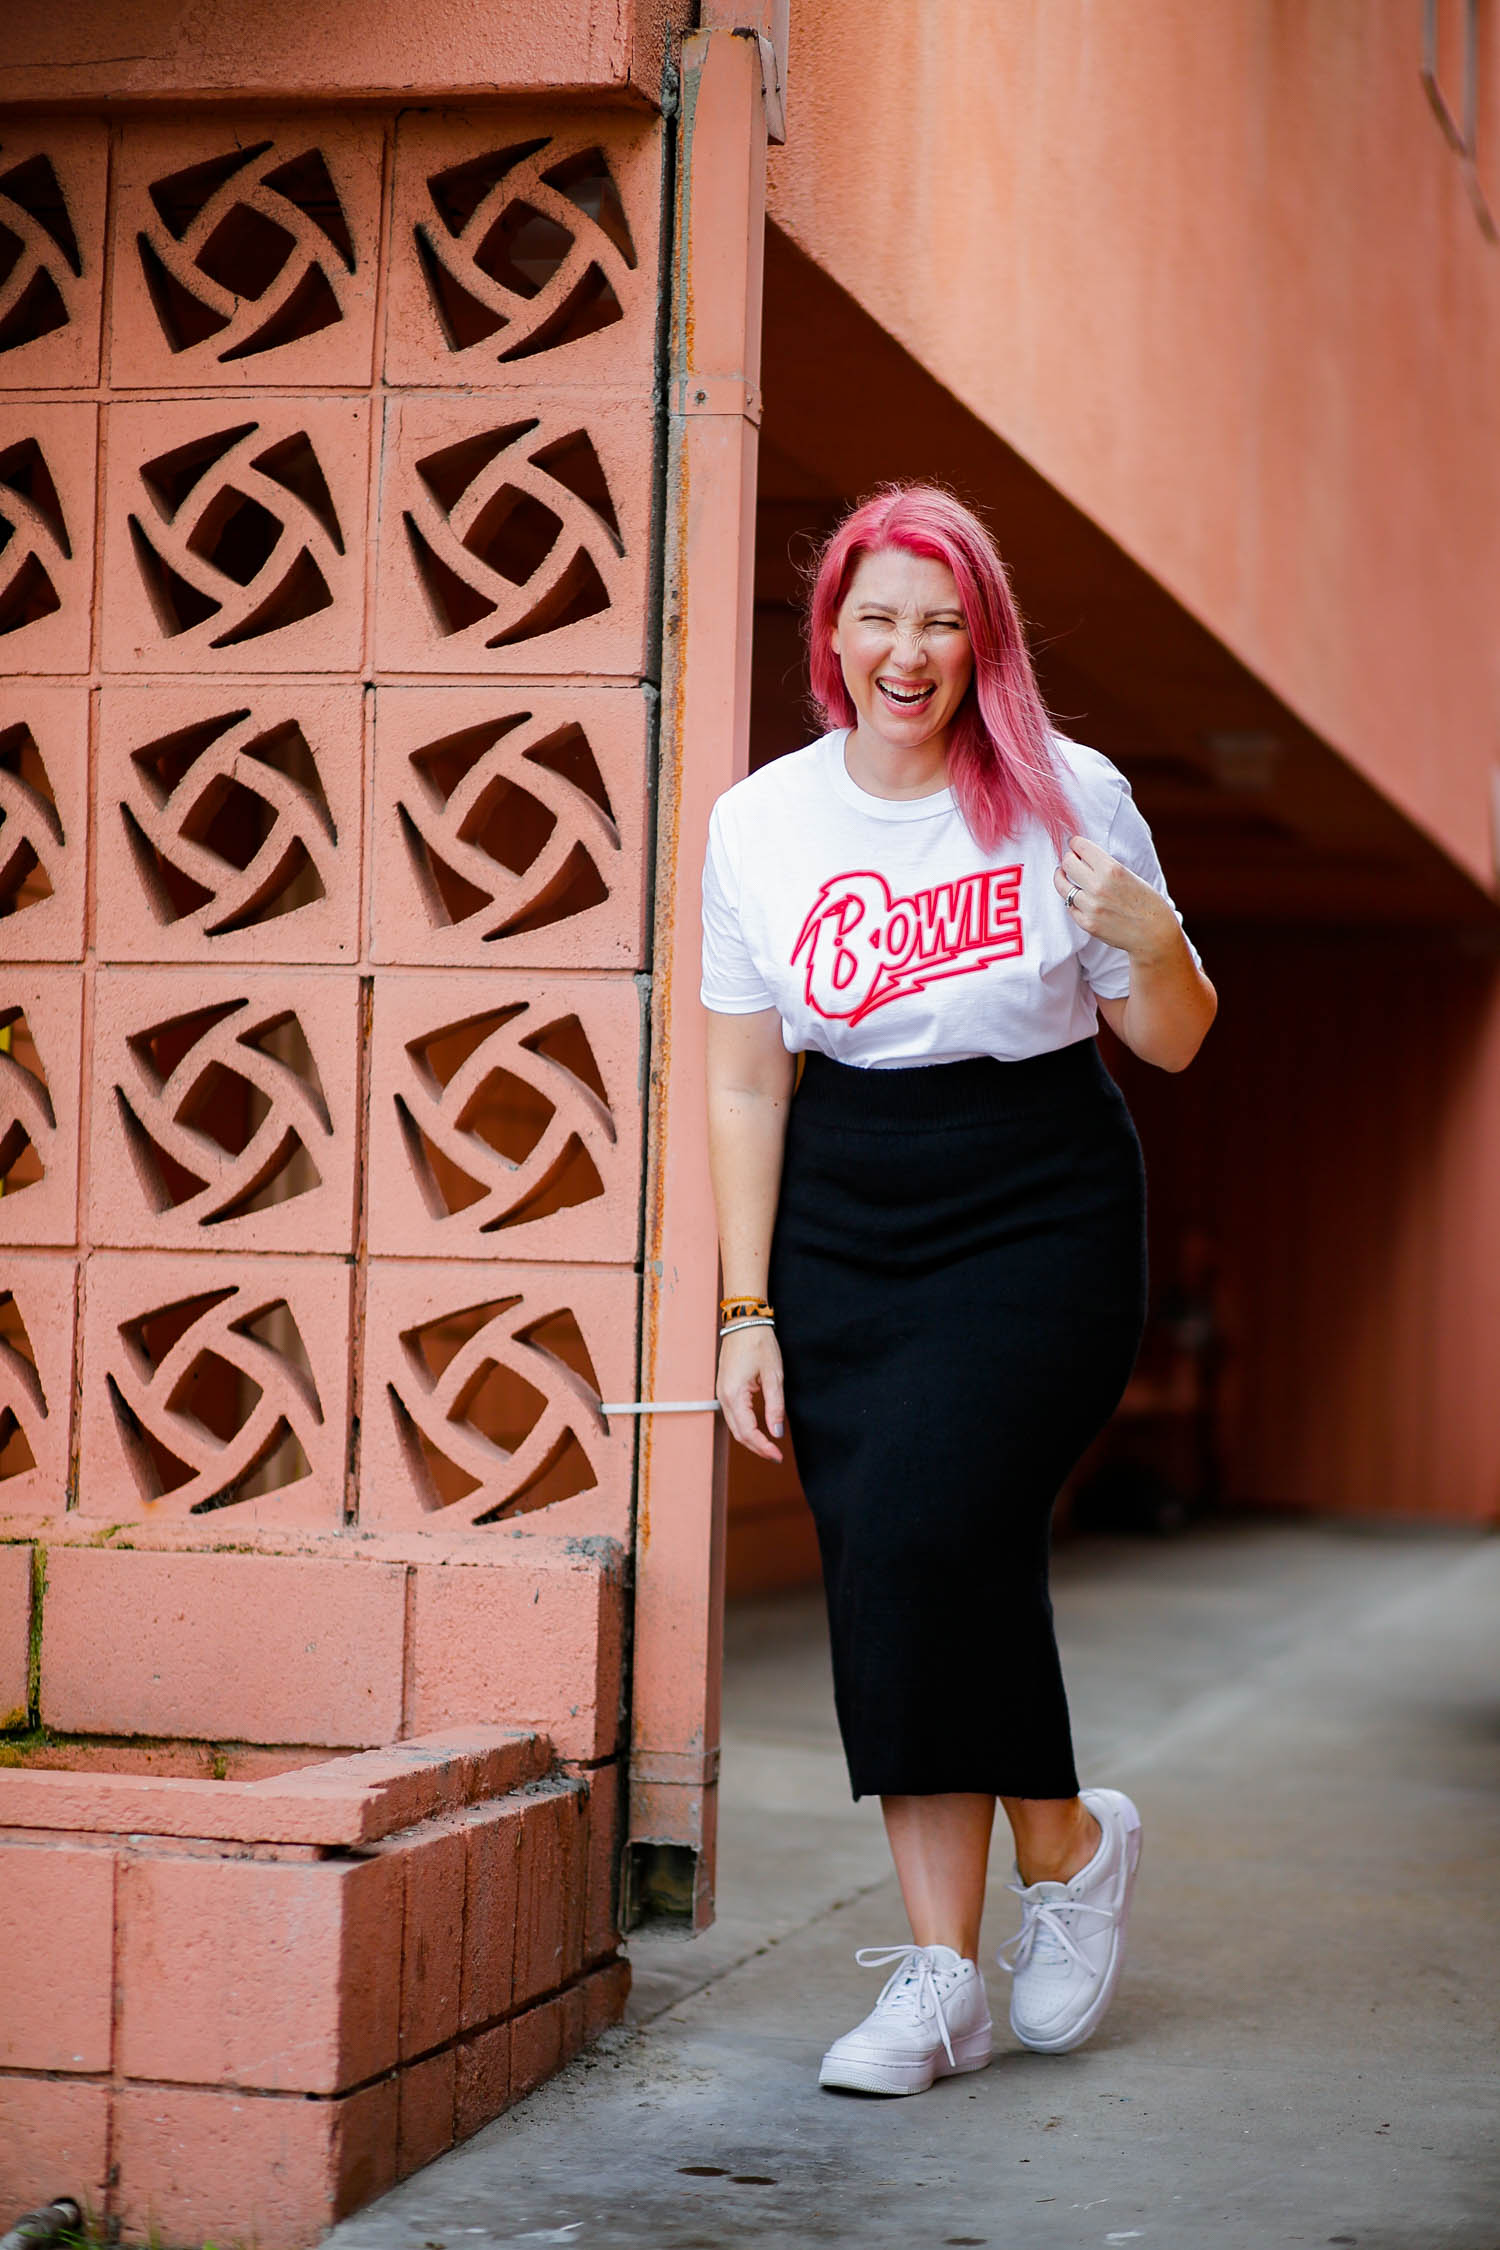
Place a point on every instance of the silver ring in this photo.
(1073, 893)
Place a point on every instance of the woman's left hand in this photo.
(1111, 903)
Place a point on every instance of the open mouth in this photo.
(907, 698)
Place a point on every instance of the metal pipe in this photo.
(34, 2230)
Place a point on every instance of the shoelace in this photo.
(1042, 1927)
(913, 1966)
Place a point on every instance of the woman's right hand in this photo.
(750, 1363)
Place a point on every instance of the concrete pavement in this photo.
(1304, 2046)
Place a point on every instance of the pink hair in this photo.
(1001, 763)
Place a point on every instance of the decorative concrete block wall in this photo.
(328, 454)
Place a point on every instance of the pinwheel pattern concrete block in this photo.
(325, 813)
(215, 1388)
(524, 262)
(505, 1117)
(231, 817)
(245, 252)
(509, 827)
(48, 458)
(225, 1109)
(41, 1087)
(514, 534)
(44, 796)
(484, 1391)
(236, 535)
(38, 1296)
(52, 190)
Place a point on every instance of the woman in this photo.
(919, 1161)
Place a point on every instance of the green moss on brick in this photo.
(34, 1661)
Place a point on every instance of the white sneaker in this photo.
(1067, 1956)
(931, 2021)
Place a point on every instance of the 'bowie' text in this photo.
(864, 947)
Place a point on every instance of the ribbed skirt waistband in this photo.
(979, 1091)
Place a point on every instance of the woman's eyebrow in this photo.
(929, 616)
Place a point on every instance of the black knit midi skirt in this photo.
(959, 1276)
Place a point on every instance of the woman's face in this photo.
(904, 647)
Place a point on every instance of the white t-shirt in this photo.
(883, 935)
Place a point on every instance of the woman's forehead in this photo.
(900, 580)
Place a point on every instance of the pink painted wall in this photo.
(1336, 1143)
(1213, 271)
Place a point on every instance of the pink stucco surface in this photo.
(710, 564)
(1222, 285)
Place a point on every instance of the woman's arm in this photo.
(1166, 1013)
(750, 1079)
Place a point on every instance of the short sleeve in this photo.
(732, 985)
(1106, 969)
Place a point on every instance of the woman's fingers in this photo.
(1072, 884)
(746, 1369)
(1108, 900)
(772, 1401)
(739, 1413)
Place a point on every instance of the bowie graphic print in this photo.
(863, 948)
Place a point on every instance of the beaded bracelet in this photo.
(745, 1308)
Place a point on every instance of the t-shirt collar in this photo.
(877, 808)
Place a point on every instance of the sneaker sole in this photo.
(971, 2053)
(1063, 2042)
